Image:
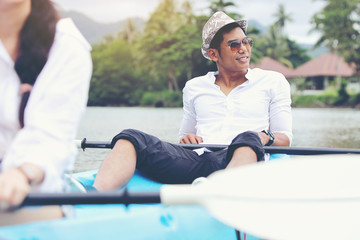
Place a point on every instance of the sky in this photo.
(106, 11)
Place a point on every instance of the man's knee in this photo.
(246, 135)
(247, 139)
(132, 135)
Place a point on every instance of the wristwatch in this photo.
(271, 137)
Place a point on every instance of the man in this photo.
(246, 108)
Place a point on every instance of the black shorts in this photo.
(169, 163)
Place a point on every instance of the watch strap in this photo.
(271, 137)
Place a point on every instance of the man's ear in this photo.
(213, 54)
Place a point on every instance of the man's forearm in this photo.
(281, 139)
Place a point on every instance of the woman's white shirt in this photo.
(56, 104)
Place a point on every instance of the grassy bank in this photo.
(327, 99)
(162, 99)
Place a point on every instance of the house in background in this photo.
(315, 76)
(324, 72)
(268, 63)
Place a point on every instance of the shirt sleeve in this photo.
(188, 123)
(280, 109)
(56, 104)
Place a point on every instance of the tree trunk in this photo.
(172, 80)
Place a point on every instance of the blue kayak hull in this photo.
(137, 222)
(114, 222)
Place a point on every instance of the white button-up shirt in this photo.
(57, 101)
(261, 103)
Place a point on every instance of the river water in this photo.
(312, 127)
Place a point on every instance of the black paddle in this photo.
(297, 199)
(215, 147)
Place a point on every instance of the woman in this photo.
(45, 69)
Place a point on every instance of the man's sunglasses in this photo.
(236, 44)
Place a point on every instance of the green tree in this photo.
(343, 96)
(198, 64)
(170, 37)
(221, 5)
(282, 17)
(257, 51)
(276, 46)
(298, 55)
(339, 24)
(130, 31)
(115, 80)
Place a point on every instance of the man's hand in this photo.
(191, 139)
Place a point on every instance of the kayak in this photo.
(135, 221)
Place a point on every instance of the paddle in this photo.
(214, 147)
(314, 197)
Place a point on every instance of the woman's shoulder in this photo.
(66, 30)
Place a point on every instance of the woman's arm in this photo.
(56, 104)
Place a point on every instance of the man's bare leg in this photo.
(117, 168)
(242, 156)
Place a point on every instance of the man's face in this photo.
(234, 57)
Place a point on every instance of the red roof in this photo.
(326, 65)
(270, 64)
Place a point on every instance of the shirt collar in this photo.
(5, 55)
(249, 76)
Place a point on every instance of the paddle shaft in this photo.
(124, 197)
(277, 208)
(215, 147)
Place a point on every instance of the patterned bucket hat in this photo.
(213, 25)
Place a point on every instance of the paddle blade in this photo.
(306, 198)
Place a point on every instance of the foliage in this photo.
(297, 55)
(276, 45)
(115, 80)
(256, 52)
(282, 17)
(324, 100)
(162, 99)
(343, 96)
(355, 100)
(339, 26)
(221, 5)
(331, 98)
(169, 41)
(151, 67)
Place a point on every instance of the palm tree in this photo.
(282, 18)
(129, 31)
(277, 47)
(220, 5)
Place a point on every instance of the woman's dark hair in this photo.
(36, 38)
(219, 36)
